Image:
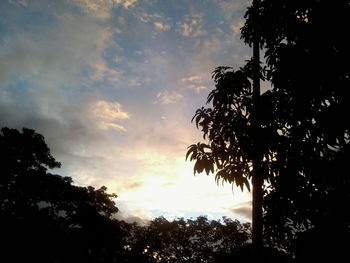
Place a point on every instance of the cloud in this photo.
(149, 18)
(159, 21)
(197, 88)
(236, 26)
(192, 27)
(108, 113)
(194, 83)
(233, 10)
(168, 97)
(101, 9)
(165, 175)
(68, 51)
(100, 70)
(109, 110)
(22, 3)
(244, 209)
(144, 220)
(111, 125)
(195, 79)
(162, 26)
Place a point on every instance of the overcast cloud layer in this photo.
(113, 85)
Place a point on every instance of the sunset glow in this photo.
(113, 85)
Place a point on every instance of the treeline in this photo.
(46, 218)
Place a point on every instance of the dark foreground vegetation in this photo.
(46, 218)
(290, 139)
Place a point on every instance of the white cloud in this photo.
(101, 8)
(109, 110)
(198, 89)
(147, 18)
(194, 83)
(111, 125)
(108, 113)
(162, 26)
(159, 21)
(192, 27)
(193, 79)
(101, 71)
(236, 26)
(168, 97)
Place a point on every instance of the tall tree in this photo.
(291, 133)
(307, 58)
(257, 177)
(238, 117)
(239, 148)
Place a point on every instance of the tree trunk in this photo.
(257, 228)
(257, 177)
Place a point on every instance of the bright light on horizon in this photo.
(181, 194)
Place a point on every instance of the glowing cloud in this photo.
(108, 113)
(162, 26)
(110, 110)
(168, 177)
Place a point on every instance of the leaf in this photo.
(247, 184)
(192, 150)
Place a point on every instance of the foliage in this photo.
(307, 58)
(44, 217)
(181, 240)
(303, 131)
(227, 125)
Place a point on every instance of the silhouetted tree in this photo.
(181, 240)
(307, 59)
(302, 143)
(229, 127)
(44, 217)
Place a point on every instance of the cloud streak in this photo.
(195, 83)
(168, 97)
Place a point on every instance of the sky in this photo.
(113, 84)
